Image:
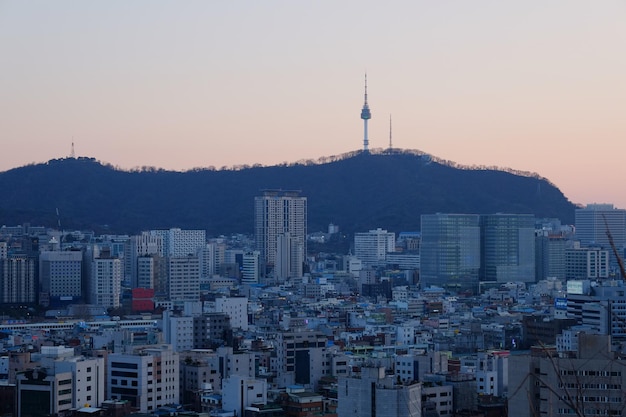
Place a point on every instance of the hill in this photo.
(356, 191)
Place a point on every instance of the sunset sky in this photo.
(534, 86)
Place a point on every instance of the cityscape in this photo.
(384, 282)
(473, 315)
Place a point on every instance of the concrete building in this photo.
(180, 243)
(18, 282)
(183, 274)
(440, 395)
(300, 358)
(152, 273)
(148, 378)
(601, 307)
(251, 267)
(143, 245)
(88, 382)
(591, 383)
(372, 247)
(586, 263)
(373, 393)
(276, 213)
(237, 310)
(210, 330)
(105, 280)
(239, 392)
(178, 331)
(450, 251)
(212, 257)
(60, 277)
(41, 392)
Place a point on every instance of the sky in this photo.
(537, 86)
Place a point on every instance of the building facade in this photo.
(450, 251)
(277, 213)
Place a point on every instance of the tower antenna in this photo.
(72, 155)
(390, 144)
(365, 115)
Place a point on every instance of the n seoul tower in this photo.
(365, 115)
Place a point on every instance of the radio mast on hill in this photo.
(365, 115)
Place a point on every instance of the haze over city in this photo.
(532, 86)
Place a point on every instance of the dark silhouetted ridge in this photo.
(356, 191)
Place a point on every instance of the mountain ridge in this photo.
(357, 191)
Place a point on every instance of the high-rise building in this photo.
(372, 247)
(507, 248)
(181, 242)
(18, 283)
(145, 244)
(211, 258)
(250, 270)
(595, 220)
(550, 256)
(277, 213)
(60, 277)
(586, 263)
(183, 278)
(105, 280)
(450, 251)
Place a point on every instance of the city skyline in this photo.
(531, 87)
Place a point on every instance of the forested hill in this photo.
(356, 191)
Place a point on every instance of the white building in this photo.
(88, 382)
(105, 280)
(178, 331)
(372, 247)
(237, 310)
(149, 378)
(239, 392)
(181, 243)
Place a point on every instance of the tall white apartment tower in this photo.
(276, 213)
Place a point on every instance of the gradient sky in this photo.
(535, 86)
